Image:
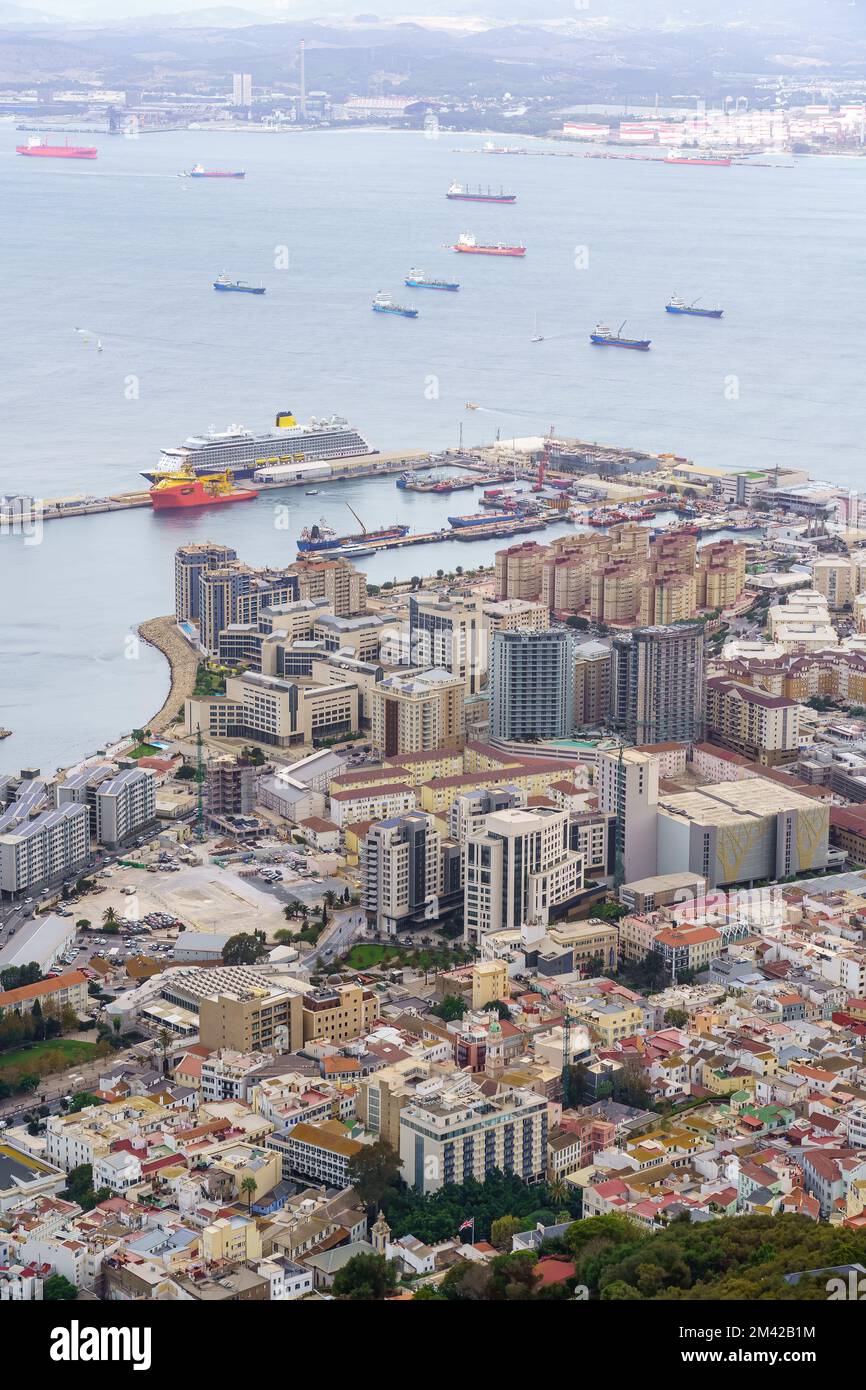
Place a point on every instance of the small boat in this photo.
(536, 336)
(223, 282)
(603, 336)
(99, 345)
(675, 305)
(471, 405)
(311, 492)
(384, 304)
(5, 733)
(198, 171)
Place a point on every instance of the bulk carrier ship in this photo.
(239, 452)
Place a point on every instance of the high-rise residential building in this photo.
(236, 593)
(451, 634)
(519, 870)
(456, 1131)
(518, 570)
(125, 805)
(628, 786)
(721, 573)
(409, 874)
(242, 89)
(591, 683)
(80, 788)
(419, 712)
(39, 851)
(657, 684)
(532, 685)
(190, 562)
(752, 722)
(335, 580)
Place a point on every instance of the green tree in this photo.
(109, 920)
(58, 1289)
(365, 1277)
(503, 1229)
(245, 948)
(451, 1007)
(373, 1170)
(248, 1185)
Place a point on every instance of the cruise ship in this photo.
(240, 452)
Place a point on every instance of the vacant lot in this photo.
(40, 1058)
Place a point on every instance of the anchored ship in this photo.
(198, 171)
(240, 452)
(223, 282)
(605, 337)
(675, 305)
(470, 247)
(384, 304)
(186, 490)
(38, 149)
(674, 158)
(463, 194)
(416, 279)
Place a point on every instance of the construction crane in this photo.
(199, 778)
(358, 519)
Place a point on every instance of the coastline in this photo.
(162, 634)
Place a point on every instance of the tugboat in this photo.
(384, 304)
(605, 337)
(223, 282)
(417, 280)
(675, 305)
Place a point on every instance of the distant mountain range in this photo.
(623, 48)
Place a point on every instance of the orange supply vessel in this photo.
(177, 490)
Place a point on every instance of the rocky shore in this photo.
(162, 633)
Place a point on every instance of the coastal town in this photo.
(431, 922)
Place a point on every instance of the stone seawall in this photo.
(183, 662)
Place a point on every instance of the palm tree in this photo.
(248, 1185)
(109, 917)
(163, 1037)
(558, 1191)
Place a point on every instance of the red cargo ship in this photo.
(696, 159)
(186, 490)
(471, 247)
(37, 149)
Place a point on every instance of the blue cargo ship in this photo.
(223, 282)
(605, 337)
(416, 279)
(323, 537)
(675, 305)
(384, 304)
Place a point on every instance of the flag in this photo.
(470, 1224)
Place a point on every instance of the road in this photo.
(339, 935)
